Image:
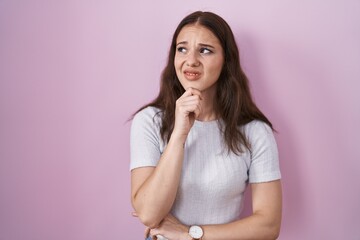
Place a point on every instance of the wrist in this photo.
(196, 232)
(178, 138)
(186, 235)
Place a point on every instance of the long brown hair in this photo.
(234, 104)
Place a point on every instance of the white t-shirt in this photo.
(213, 180)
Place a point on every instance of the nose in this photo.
(192, 59)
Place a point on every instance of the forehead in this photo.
(198, 33)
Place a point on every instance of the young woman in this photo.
(196, 147)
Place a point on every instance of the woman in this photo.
(196, 147)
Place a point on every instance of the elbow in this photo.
(273, 232)
(150, 217)
(270, 226)
(269, 234)
(276, 229)
(149, 220)
(270, 229)
(147, 217)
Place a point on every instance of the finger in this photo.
(151, 234)
(197, 112)
(189, 109)
(195, 91)
(147, 231)
(187, 103)
(189, 98)
(190, 92)
(192, 109)
(134, 214)
(154, 232)
(190, 106)
(160, 237)
(187, 93)
(194, 102)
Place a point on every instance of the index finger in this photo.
(192, 91)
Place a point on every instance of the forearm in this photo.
(265, 221)
(256, 226)
(156, 196)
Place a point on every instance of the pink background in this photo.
(72, 72)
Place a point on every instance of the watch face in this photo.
(196, 232)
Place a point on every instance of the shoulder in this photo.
(264, 154)
(148, 115)
(260, 135)
(146, 125)
(256, 127)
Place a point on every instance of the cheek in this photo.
(220, 65)
(217, 67)
(177, 61)
(177, 68)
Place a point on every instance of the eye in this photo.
(205, 50)
(181, 49)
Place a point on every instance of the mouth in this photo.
(192, 75)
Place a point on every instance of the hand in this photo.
(188, 108)
(172, 229)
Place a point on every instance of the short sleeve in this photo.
(145, 140)
(264, 164)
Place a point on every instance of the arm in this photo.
(264, 223)
(154, 189)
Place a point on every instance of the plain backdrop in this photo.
(72, 72)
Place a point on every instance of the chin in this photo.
(189, 85)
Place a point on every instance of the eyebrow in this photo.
(200, 44)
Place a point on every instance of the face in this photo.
(199, 58)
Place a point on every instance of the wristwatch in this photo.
(196, 232)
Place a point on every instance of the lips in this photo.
(192, 75)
